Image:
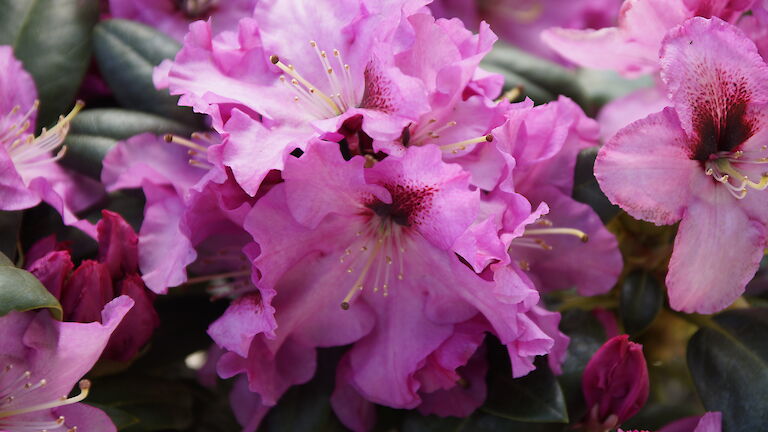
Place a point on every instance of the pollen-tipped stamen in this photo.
(84, 386)
(312, 89)
(566, 231)
(462, 145)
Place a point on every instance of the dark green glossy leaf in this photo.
(536, 397)
(52, 38)
(20, 291)
(729, 365)
(127, 53)
(10, 224)
(640, 301)
(587, 190)
(95, 132)
(546, 75)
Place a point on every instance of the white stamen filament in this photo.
(462, 145)
(566, 231)
(84, 386)
(29, 151)
(723, 171)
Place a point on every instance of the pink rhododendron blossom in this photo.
(189, 201)
(41, 360)
(520, 22)
(632, 48)
(84, 291)
(374, 246)
(174, 16)
(29, 173)
(700, 163)
(615, 384)
(297, 70)
(568, 246)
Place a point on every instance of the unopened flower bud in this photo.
(615, 384)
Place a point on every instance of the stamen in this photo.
(734, 180)
(84, 386)
(567, 231)
(28, 151)
(185, 143)
(312, 89)
(462, 145)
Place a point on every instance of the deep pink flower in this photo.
(520, 22)
(364, 256)
(567, 246)
(755, 26)
(700, 163)
(42, 359)
(173, 17)
(29, 173)
(297, 70)
(84, 292)
(632, 48)
(194, 210)
(615, 384)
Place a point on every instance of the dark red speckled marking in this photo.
(378, 90)
(720, 117)
(409, 203)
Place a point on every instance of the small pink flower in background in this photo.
(84, 291)
(41, 360)
(29, 173)
(520, 22)
(701, 163)
(615, 384)
(173, 17)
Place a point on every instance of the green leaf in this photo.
(729, 365)
(10, 225)
(52, 38)
(95, 132)
(536, 397)
(602, 86)
(544, 74)
(587, 190)
(127, 53)
(640, 301)
(21, 291)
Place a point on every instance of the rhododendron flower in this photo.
(296, 70)
(42, 359)
(615, 384)
(520, 22)
(174, 16)
(29, 173)
(194, 210)
(700, 163)
(632, 48)
(84, 291)
(364, 255)
(569, 246)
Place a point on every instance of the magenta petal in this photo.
(247, 406)
(646, 167)
(14, 194)
(161, 266)
(86, 292)
(463, 398)
(86, 418)
(712, 70)
(707, 277)
(52, 270)
(138, 325)
(709, 422)
(245, 318)
(117, 244)
(350, 406)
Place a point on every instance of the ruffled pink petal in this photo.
(164, 250)
(245, 318)
(17, 88)
(592, 267)
(354, 411)
(646, 167)
(549, 322)
(247, 406)
(322, 182)
(707, 277)
(463, 398)
(714, 74)
(709, 422)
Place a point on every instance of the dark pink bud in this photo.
(118, 244)
(86, 292)
(138, 325)
(52, 270)
(615, 384)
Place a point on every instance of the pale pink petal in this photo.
(717, 251)
(618, 113)
(646, 167)
(86, 418)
